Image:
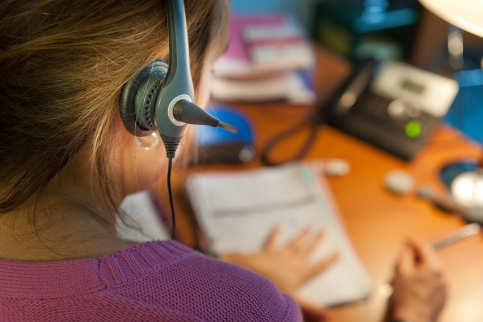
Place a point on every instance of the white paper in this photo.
(237, 211)
(142, 221)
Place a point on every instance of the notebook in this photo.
(236, 211)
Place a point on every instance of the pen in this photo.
(457, 235)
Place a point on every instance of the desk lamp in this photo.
(466, 187)
(464, 14)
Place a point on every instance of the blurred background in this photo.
(392, 29)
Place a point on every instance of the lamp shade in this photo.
(464, 14)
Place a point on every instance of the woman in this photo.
(67, 162)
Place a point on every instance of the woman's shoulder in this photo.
(161, 279)
(198, 285)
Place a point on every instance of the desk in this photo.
(376, 220)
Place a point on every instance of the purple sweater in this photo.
(156, 281)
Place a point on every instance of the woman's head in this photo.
(63, 64)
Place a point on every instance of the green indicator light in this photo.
(413, 129)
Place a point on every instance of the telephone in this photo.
(392, 105)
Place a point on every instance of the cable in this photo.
(173, 217)
(171, 144)
(311, 123)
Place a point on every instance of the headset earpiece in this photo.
(136, 113)
(162, 97)
(138, 99)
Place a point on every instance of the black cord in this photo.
(310, 123)
(173, 217)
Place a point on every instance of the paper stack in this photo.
(269, 58)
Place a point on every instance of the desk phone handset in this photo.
(392, 105)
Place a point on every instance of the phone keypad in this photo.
(401, 130)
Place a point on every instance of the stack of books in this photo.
(269, 59)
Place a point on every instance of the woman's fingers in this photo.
(310, 246)
(321, 265)
(272, 240)
(297, 244)
(406, 261)
(425, 253)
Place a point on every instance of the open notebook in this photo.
(236, 211)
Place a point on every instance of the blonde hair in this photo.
(63, 64)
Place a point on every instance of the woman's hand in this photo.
(287, 267)
(419, 284)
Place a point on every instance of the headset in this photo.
(161, 97)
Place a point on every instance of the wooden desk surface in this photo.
(376, 220)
